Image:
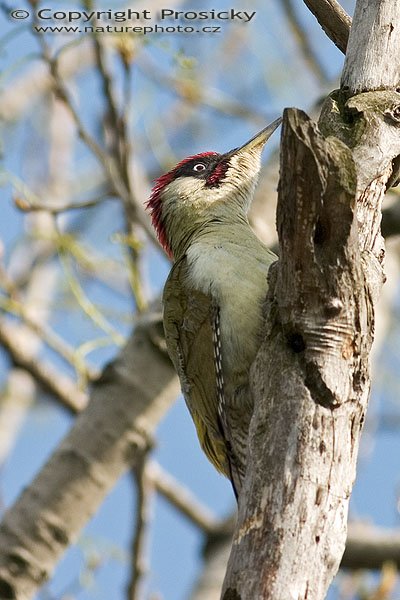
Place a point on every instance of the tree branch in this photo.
(144, 495)
(366, 548)
(371, 547)
(61, 386)
(333, 19)
(182, 499)
(104, 442)
(375, 31)
(311, 58)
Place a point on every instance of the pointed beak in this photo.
(260, 139)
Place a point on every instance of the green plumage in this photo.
(189, 336)
(214, 294)
(213, 337)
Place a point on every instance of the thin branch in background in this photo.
(139, 567)
(194, 93)
(181, 498)
(116, 128)
(114, 124)
(333, 19)
(311, 58)
(132, 258)
(370, 547)
(63, 95)
(87, 306)
(50, 338)
(26, 206)
(104, 159)
(125, 48)
(112, 173)
(58, 384)
(107, 270)
(121, 186)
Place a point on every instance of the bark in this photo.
(107, 438)
(311, 379)
(372, 59)
(333, 19)
(367, 547)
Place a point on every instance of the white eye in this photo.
(199, 167)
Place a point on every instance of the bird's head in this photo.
(206, 188)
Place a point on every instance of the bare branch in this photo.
(106, 440)
(370, 547)
(182, 499)
(17, 398)
(43, 372)
(375, 30)
(366, 548)
(50, 338)
(23, 91)
(333, 19)
(114, 124)
(139, 561)
(25, 206)
(311, 58)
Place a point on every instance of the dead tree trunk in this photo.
(311, 378)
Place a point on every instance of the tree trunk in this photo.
(106, 440)
(311, 378)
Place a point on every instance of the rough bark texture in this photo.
(311, 378)
(372, 60)
(312, 374)
(333, 19)
(105, 441)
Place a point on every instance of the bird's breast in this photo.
(235, 275)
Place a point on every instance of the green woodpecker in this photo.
(214, 293)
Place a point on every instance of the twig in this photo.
(144, 486)
(101, 155)
(117, 126)
(194, 93)
(50, 338)
(87, 306)
(333, 19)
(118, 178)
(52, 380)
(63, 94)
(133, 263)
(182, 499)
(126, 58)
(25, 206)
(311, 58)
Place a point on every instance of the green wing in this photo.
(188, 325)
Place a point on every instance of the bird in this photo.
(213, 296)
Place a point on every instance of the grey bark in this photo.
(311, 378)
(372, 59)
(107, 438)
(366, 548)
(333, 20)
